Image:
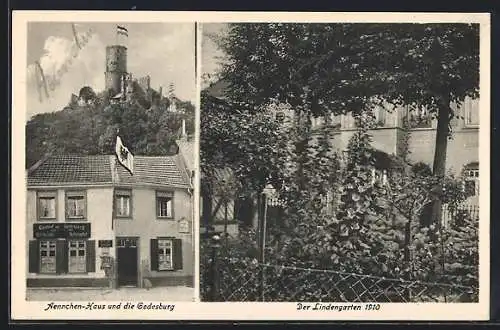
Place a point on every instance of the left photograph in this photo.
(110, 123)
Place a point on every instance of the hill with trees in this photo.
(89, 126)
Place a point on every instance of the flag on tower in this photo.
(121, 30)
(124, 156)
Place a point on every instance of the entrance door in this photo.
(127, 261)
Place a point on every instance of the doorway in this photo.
(127, 256)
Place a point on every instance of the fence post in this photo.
(262, 244)
(408, 255)
(214, 269)
(411, 255)
(443, 258)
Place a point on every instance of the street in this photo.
(173, 294)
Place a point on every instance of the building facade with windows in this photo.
(91, 223)
(413, 131)
(392, 125)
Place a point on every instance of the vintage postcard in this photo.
(250, 166)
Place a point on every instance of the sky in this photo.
(211, 55)
(165, 52)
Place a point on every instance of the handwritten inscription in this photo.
(47, 82)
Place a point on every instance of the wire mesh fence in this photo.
(241, 279)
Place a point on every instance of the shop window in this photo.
(166, 254)
(61, 256)
(123, 203)
(75, 205)
(47, 205)
(77, 257)
(164, 204)
(48, 257)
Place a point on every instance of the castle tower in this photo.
(116, 67)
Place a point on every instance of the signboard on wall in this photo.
(105, 243)
(183, 226)
(61, 230)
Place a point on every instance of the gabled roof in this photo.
(57, 170)
(63, 169)
(161, 170)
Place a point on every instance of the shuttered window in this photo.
(61, 256)
(77, 260)
(166, 254)
(48, 256)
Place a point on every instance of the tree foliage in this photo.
(248, 144)
(341, 68)
(91, 129)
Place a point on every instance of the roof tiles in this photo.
(99, 169)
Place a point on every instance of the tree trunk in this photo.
(207, 208)
(255, 212)
(439, 165)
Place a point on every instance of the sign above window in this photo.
(61, 230)
(105, 243)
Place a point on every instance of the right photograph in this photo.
(339, 162)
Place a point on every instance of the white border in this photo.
(27, 310)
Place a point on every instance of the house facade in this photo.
(411, 132)
(90, 223)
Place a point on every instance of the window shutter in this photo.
(61, 257)
(153, 245)
(90, 256)
(66, 207)
(177, 253)
(34, 256)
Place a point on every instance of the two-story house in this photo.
(92, 223)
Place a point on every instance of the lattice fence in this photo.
(240, 280)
